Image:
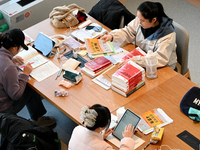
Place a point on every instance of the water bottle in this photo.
(151, 64)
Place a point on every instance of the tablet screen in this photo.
(44, 44)
(128, 118)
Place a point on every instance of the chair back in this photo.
(182, 40)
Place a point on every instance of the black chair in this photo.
(111, 13)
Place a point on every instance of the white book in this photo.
(32, 56)
(81, 34)
(44, 71)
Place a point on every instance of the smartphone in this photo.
(97, 28)
(89, 27)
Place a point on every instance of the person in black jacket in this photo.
(110, 12)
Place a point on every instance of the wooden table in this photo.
(165, 92)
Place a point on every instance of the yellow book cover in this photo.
(152, 118)
(97, 46)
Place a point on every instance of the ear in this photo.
(154, 20)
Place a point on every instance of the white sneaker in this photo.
(44, 121)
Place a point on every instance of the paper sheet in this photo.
(44, 71)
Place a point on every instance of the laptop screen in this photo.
(44, 44)
(128, 118)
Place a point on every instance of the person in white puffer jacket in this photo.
(89, 136)
(152, 30)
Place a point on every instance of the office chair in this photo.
(182, 41)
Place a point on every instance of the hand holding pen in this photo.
(28, 68)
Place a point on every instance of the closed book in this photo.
(125, 87)
(97, 63)
(132, 90)
(128, 72)
(134, 52)
(93, 74)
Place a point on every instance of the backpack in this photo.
(20, 134)
(190, 104)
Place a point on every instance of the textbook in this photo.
(97, 64)
(81, 34)
(93, 74)
(128, 75)
(72, 43)
(97, 46)
(42, 67)
(134, 52)
(132, 90)
(32, 56)
(155, 117)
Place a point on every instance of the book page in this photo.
(28, 54)
(44, 71)
(81, 34)
(31, 56)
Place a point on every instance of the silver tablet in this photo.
(128, 118)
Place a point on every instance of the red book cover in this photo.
(128, 72)
(133, 53)
(97, 63)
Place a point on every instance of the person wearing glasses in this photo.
(152, 30)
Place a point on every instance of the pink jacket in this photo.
(85, 139)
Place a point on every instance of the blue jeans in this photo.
(33, 102)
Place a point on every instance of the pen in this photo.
(146, 146)
(59, 73)
(25, 65)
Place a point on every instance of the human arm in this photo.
(28, 69)
(165, 51)
(127, 143)
(18, 60)
(13, 83)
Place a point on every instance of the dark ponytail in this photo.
(150, 10)
(6, 42)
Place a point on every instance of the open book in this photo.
(156, 117)
(32, 56)
(81, 34)
(43, 68)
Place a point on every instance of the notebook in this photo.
(44, 44)
(128, 118)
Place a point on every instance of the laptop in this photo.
(128, 118)
(44, 44)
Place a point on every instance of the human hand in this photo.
(107, 132)
(123, 63)
(106, 38)
(128, 131)
(28, 69)
(18, 60)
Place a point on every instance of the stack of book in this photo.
(96, 66)
(128, 79)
